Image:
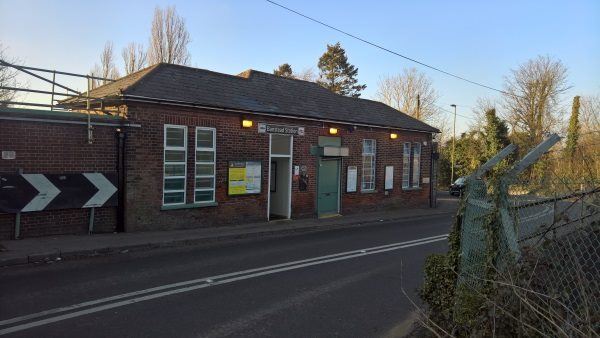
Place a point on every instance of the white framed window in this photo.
(175, 164)
(406, 166)
(206, 152)
(368, 165)
(416, 173)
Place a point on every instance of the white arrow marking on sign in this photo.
(105, 190)
(46, 192)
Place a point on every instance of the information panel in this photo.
(389, 177)
(244, 177)
(351, 183)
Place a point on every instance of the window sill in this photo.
(189, 206)
(369, 191)
(412, 188)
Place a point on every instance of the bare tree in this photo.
(590, 115)
(589, 144)
(410, 92)
(134, 57)
(8, 78)
(444, 124)
(107, 68)
(307, 74)
(170, 38)
(533, 93)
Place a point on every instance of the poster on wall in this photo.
(244, 177)
(303, 182)
(351, 179)
(389, 177)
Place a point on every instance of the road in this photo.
(344, 282)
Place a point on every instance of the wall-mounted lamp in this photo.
(333, 131)
(393, 136)
(247, 123)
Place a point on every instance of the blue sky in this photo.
(480, 40)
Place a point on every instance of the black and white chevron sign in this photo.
(35, 192)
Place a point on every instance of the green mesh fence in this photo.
(548, 227)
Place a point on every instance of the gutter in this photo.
(10, 118)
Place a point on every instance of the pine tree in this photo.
(336, 74)
(573, 131)
(284, 70)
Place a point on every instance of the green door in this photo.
(328, 187)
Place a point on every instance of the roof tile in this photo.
(256, 91)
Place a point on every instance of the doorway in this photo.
(328, 188)
(280, 177)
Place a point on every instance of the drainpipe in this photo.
(121, 137)
(18, 217)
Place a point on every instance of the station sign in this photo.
(280, 129)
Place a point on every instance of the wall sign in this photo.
(351, 179)
(303, 182)
(9, 154)
(389, 177)
(244, 177)
(280, 129)
(36, 192)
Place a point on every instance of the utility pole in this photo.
(453, 146)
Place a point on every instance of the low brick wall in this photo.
(56, 143)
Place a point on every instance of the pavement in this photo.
(57, 248)
(343, 282)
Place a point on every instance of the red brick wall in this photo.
(389, 152)
(63, 148)
(57, 148)
(145, 168)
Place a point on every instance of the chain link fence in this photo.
(535, 240)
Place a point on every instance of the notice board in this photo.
(351, 179)
(244, 177)
(389, 177)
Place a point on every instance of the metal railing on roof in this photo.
(53, 93)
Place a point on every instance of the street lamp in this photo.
(453, 146)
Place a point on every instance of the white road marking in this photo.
(105, 190)
(546, 210)
(46, 192)
(201, 283)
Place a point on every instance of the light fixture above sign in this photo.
(333, 131)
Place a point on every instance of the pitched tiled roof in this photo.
(255, 91)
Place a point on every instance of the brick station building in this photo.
(196, 148)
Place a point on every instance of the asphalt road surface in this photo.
(344, 282)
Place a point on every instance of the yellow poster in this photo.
(244, 177)
(237, 174)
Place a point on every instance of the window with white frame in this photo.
(175, 168)
(406, 166)
(204, 186)
(368, 165)
(416, 174)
